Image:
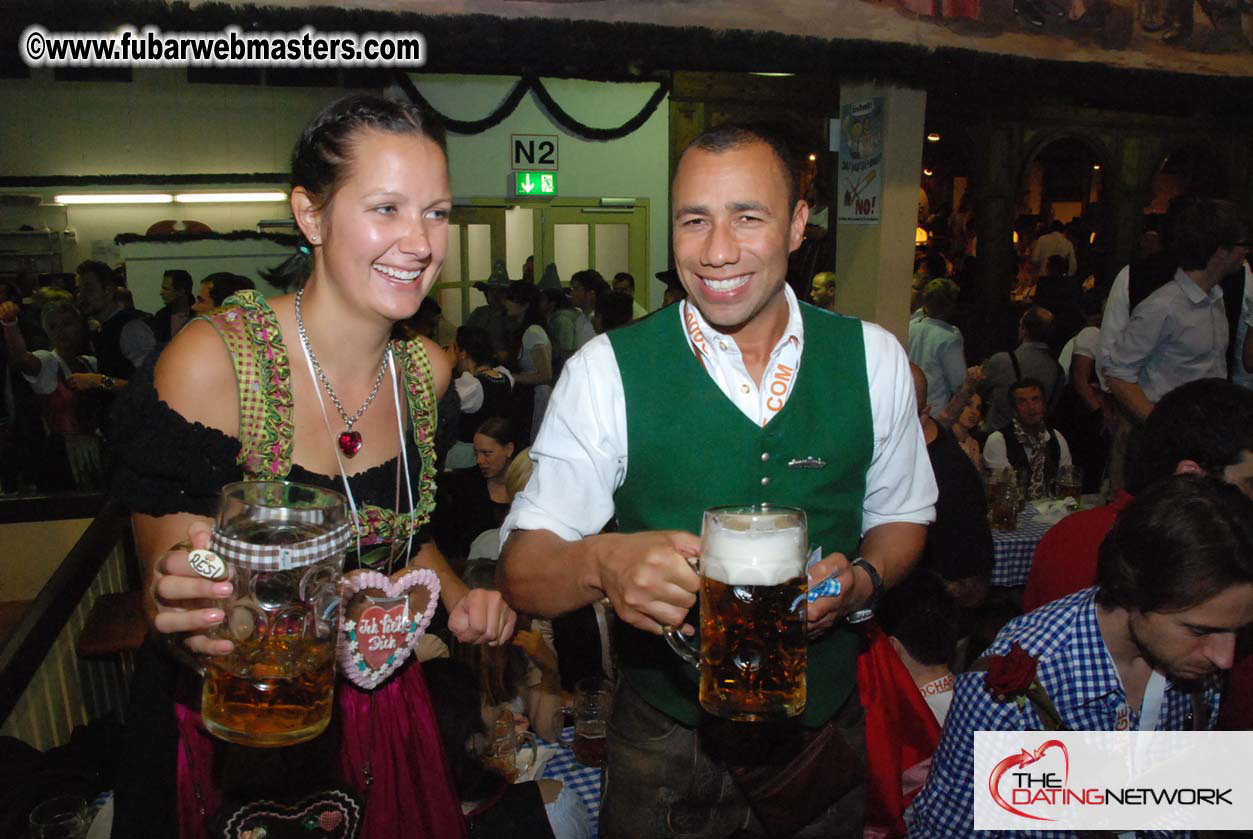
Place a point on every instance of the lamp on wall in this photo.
(920, 235)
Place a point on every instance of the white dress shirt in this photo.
(580, 457)
(995, 456)
(1178, 334)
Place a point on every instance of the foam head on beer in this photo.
(749, 551)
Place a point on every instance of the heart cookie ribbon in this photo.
(375, 643)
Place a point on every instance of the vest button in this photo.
(765, 482)
(765, 457)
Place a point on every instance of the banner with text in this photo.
(861, 157)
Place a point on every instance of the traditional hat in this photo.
(670, 277)
(498, 279)
(550, 279)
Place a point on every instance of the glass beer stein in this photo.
(283, 546)
(752, 613)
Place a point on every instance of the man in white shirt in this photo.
(1179, 333)
(1054, 243)
(625, 283)
(1028, 442)
(737, 344)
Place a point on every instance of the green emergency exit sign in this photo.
(535, 183)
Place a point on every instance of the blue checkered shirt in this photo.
(1077, 672)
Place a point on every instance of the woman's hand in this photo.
(482, 617)
(177, 595)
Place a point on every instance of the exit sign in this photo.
(535, 183)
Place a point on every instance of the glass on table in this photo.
(584, 725)
(1069, 483)
(62, 817)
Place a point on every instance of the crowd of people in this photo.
(550, 459)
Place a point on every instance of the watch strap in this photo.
(875, 580)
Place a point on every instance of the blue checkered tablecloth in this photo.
(585, 781)
(1012, 549)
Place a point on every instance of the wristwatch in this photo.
(107, 383)
(875, 580)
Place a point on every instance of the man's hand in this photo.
(648, 577)
(9, 311)
(856, 590)
(482, 617)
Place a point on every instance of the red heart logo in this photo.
(1025, 758)
(381, 633)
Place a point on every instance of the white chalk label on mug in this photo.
(207, 564)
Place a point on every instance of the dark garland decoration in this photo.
(478, 43)
(559, 115)
(287, 239)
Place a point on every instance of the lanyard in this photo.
(1150, 710)
(778, 381)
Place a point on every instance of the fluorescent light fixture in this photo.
(933, 137)
(229, 197)
(774, 75)
(115, 198)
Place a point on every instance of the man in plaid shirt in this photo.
(1174, 585)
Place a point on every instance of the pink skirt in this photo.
(391, 731)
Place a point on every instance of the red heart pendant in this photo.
(381, 633)
(349, 442)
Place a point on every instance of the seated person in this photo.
(474, 500)
(966, 430)
(1203, 427)
(1028, 442)
(482, 387)
(494, 807)
(920, 619)
(1180, 557)
(959, 542)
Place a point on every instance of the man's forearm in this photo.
(542, 574)
(893, 549)
(1131, 398)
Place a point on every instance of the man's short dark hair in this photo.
(179, 279)
(1056, 265)
(476, 343)
(1209, 421)
(733, 135)
(223, 284)
(923, 616)
(623, 276)
(103, 273)
(1024, 383)
(1182, 541)
(1202, 227)
(589, 279)
(1037, 321)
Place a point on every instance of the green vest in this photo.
(690, 448)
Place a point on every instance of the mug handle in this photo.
(681, 646)
(529, 738)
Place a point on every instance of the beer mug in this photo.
(283, 547)
(1069, 483)
(589, 721)
(506, 748)
(752, 613)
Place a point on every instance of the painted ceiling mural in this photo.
(1211, 37)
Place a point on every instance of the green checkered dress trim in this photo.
(251, 333)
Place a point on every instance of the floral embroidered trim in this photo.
(423, 415)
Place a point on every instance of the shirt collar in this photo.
(794, 331)
(1193, 291)
(1088, 647)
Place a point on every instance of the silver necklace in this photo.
(350, 441)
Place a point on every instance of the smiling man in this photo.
(738, 395)
(1142, 650)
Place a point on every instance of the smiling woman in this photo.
(371, 197)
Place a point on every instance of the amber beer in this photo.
(752, 652)
(284, 699)
(753, 588)
(590, 746)
(277, 685)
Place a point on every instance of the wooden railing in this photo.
(45, 687)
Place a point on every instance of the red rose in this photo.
(1012, 673)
